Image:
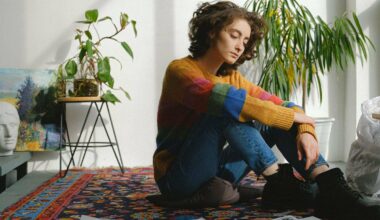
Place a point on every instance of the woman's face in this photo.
(232, 39)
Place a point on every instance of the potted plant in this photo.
(89, 67)
(298, 48)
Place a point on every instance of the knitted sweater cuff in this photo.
(284, 119)
(307, 128)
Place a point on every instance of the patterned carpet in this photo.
(106, 193)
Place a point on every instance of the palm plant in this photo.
(298, 47)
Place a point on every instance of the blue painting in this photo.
(33, 93)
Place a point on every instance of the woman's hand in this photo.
(303, 119)
(307, 145)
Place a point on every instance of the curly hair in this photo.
(212, 18)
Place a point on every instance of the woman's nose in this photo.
(239, 46)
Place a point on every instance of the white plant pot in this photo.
(323, 130)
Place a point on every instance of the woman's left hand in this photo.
(307, 145)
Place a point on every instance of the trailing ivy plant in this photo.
(299, 47)
(89, 62)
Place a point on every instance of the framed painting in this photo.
(33, 94)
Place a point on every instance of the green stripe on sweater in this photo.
(217, 98)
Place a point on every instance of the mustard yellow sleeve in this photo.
(258, 92)
(305, 128)
(267, 113)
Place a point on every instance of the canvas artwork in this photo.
(32, 93)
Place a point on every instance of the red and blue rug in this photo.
(106, 193)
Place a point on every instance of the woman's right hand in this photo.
(303, 119)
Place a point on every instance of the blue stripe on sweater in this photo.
(290, 105)
(234, 101)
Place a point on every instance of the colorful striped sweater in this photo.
(189, 91)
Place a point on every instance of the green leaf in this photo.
(82, 53)
(71, 93)
(92, 15)
(111, 82)
(309, 77)
(88, 34)
(127, 48)
(84, 22)
(77, 36)
(117, 60)
(370, 42)
(358, 26)
(354, 33)
(105, 18)
(319, 87)
(349, 48)
(123, 20)
(71, 68)
(60, 72)
(89, 50)
(104, 70)
(110, 97)
(134, 27)
(362, 49)
(127, 95)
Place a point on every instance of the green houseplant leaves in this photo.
(299, 47)
(89, 62)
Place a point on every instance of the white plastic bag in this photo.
(363, 166)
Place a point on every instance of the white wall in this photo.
(363, 80)
(38, 34)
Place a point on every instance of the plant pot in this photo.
(86, 87)
(60, 89)
(323, 130)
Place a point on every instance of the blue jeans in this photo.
(204, 154)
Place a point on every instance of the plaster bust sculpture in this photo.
(9, 123)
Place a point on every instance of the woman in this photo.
(206, 103)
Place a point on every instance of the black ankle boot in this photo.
(248, 193)
(337, 200)
(284, 191)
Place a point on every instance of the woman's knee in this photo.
(241, 129)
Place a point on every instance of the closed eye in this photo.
(234, 35)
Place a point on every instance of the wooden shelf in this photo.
(80, 99)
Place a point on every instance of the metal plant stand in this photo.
(65, 141)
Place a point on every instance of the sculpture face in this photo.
(9, 123)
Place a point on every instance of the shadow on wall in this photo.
(63, 46)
